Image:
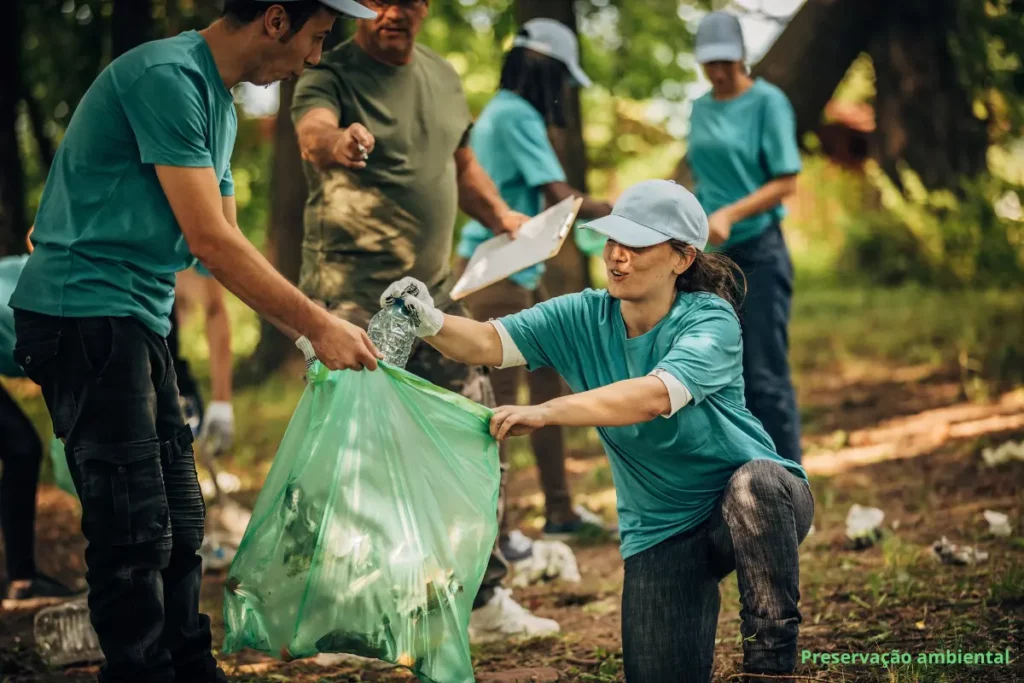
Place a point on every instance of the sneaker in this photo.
(586, 527)
(503, 618)
(516, 547)
(36, 592)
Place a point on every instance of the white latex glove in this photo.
(406, 288)
(418, 303)
(219, 425)
(427, 319)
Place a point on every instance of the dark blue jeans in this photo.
(670, 598)
(110, 388)
(21, 453)
(764, 318)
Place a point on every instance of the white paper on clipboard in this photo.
(538, 240)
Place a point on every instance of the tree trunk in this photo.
(13, 225)
(284, 234)
(814, 52)
(924, 114)
(569, 271)
(131, 25)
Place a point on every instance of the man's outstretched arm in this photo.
(195, 199)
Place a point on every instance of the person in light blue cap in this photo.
(510, 139)
(743, 155)
(655, 364)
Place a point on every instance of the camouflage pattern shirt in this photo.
(365, 229)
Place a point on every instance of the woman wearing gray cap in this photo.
(742, 151)
(510, 140)
(655, 364)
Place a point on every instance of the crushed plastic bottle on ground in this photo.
(64, 635)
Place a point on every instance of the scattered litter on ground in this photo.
(550, 560)
(1011, 450)
(863, 526)
(998, 523)
(950, 553)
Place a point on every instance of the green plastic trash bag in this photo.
(374, 527)
(61, 473)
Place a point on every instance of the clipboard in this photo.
(540, 239)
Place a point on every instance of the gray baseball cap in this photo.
(351, 8)
(556, 40)
(719, 39)
(653, 212)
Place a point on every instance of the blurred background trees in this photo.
(911, 115)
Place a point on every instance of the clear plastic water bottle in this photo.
(64, 635)
(393, 332)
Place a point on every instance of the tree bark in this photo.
(569, 270)
(924, 114)
(13, 224)
(284, 234)
(814, 52)
(131, 25)
(43, 141)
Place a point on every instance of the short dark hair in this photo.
(240, 13)
(538, 79)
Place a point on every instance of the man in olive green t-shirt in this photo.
(384, 126)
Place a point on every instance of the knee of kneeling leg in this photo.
(755, 483)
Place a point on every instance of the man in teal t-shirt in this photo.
(511, 142)
(140, 186)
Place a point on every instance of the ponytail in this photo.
(712, 273)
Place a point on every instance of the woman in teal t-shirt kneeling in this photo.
(655, 362)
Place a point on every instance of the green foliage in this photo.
(989, 47)
(935, 237)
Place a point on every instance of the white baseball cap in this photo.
(351, 8)
(654, 212)
(556, 40)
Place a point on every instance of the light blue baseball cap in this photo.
(653, 212)
(719, 39)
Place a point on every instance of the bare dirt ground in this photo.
(901, 439)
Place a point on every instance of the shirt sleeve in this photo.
(708, 354)
(167, 112)
(318, 88)
(778, 140)
(542, 333)
(227, 183)
(530, 149)
(511, 356)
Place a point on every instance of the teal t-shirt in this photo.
(106, 241)
(736, 146)
(10, 271)
(669, 473)
(511, 143)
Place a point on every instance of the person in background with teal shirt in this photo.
(511, 142)
(21, 453)
(655, 362)
(139, 188)
(743, 155)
